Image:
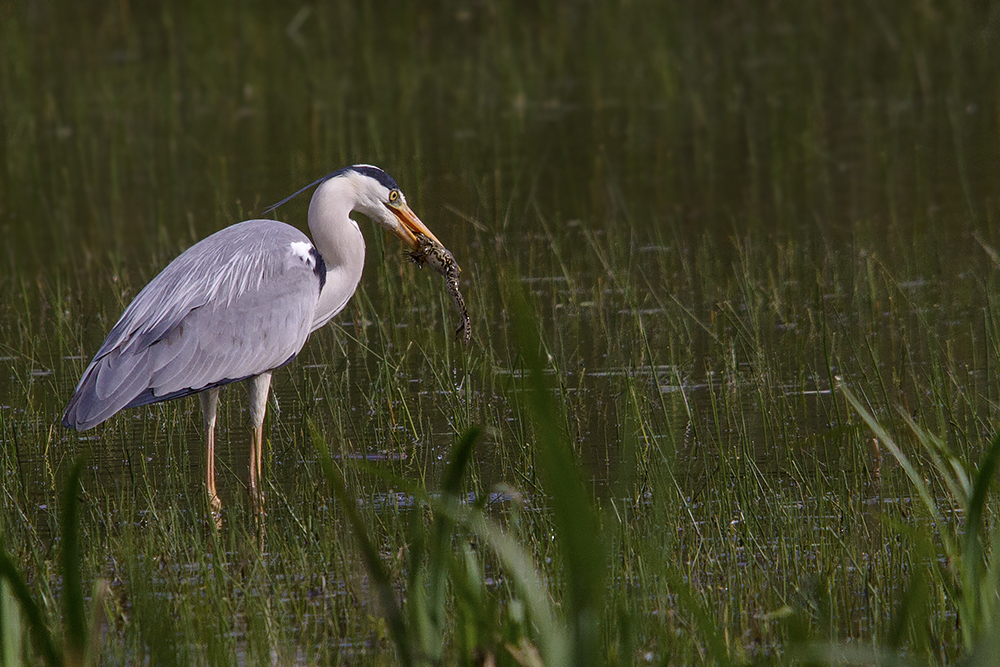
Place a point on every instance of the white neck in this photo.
(339, 241)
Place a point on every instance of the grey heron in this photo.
(238, 305)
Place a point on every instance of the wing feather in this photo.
(116, 371)
(237, 304)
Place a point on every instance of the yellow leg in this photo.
(256, 456)
(209, 407)
(257, 390)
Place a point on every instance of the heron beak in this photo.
(409, 226)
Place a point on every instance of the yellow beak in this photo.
(409, 226)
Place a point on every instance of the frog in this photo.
(432, 253)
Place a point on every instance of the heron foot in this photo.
(215, 509)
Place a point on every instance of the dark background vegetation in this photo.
(714, 210)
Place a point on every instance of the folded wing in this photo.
(237, 304)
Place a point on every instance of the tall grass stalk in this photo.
(963, 561)
(383, 584)
(578, 536)
(79, 637)
(434, 563)
(713, 209)
(578, 528)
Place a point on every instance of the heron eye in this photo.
(394, 196)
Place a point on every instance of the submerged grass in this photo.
(726, 527)
(707, 215)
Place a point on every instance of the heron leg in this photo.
(209, 407)
(257, 390)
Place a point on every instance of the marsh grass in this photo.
(733, 529)
(76, 643)
(712, 213)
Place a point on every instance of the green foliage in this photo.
(434, 560)
(79, 635)
(483, 624)
(380, 578)
(712, 210)
(578, 531)
(958, 549)
(16, 591)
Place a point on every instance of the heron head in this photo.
(375, 194)
(379, 198)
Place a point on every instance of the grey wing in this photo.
(237, 304)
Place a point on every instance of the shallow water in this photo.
(714, 212)
(818, 157)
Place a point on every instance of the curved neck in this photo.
(338, 239)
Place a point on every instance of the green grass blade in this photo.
(918, 482)
(10, 627)
(980, 491)
(912, 609)
(514, 559)
(578, 528)
(988, 585)
(440, 554)
(552, 636)
(461, 454)
(951, 469)
(40, 634)
(381, 582)
(76, 611)
(977, 576)
(703, 620)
